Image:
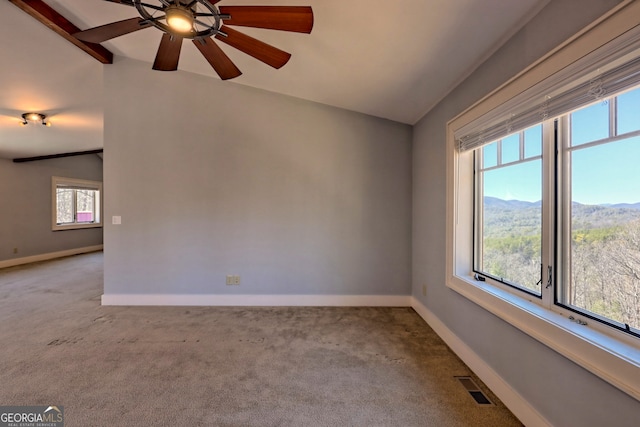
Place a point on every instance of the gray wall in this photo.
(561, 391)
(295, 197)
(25, 206)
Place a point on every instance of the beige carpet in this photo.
(208, 366)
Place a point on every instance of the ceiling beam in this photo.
(57, 156)
(58, 23)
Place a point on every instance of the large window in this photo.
(543, 200)
(595, 221)
(76, 203)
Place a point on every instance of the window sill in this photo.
(614, 360)
(74, 226)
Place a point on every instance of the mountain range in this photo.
(503, 216)
(495, 202)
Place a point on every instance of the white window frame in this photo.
(57, 181)
(610, 354)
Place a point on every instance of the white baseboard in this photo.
(48, 256)
(259, 300)
(520, 407)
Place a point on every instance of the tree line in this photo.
(604, 257)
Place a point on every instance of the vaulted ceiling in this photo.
(392, 59)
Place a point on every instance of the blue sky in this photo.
(602, 174)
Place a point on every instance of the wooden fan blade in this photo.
(220, 62)
(110, 31)
(286, 18)
(259, 50)
(168, 53)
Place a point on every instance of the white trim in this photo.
(518, 405)
(48, 256)
(258, 300)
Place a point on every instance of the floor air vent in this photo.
(478, 396)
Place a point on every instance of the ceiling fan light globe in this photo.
(179, 20)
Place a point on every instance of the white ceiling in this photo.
(391, 59)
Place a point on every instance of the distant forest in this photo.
(605, 253)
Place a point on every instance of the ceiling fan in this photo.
(202, 21)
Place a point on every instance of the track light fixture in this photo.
(34, 118)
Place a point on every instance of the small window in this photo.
(590, 124)
(76, 203)
(490, 155)
(628, 108)
(510, 149)
(533, 142)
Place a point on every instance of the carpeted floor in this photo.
(221, 366)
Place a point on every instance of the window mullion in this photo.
(74, 205)
(613, 112)
(548, 209)
(521, 142)
(478, 262)
(94, 216)
(563, 235)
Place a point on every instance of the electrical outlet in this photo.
(233, 280)
(424, 290)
